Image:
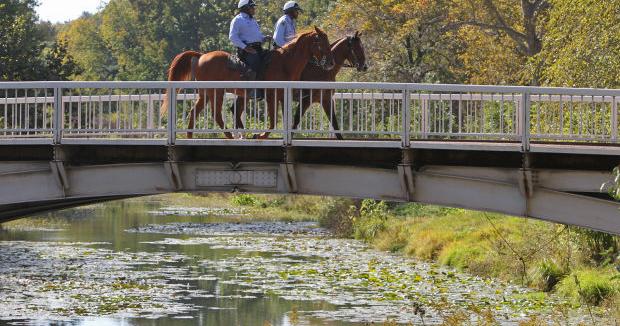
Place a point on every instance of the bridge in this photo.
(540, 153)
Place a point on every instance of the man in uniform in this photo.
(245, 34)
(286, 28)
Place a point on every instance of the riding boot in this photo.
(256, 93)
(248, 74)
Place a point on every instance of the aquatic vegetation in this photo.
(37, 224)
(253, 228)
(175, 211)
(365, 285)
(298, 272)
(58, 281)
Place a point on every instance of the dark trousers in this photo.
(253, 60)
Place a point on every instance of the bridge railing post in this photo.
(287, 134)
(172, 116)
(425, 117)
(524, 120)
(614, 119)
(57, 116)
(406, 132)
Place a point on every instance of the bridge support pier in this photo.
(287, 169)
(58, 169)
(172, 169)
(407, 175)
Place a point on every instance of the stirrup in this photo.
(248, 75)
(256, 93)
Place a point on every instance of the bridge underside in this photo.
(563, 188)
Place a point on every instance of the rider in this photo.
(245, 34)
(286, 28)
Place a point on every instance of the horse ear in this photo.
(318, 30)
(357, 34)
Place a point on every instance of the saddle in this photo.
(236, 63)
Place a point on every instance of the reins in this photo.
(354, 64)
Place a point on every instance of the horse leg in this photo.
(271, 111)
(198, 107)
(239, 109)
(303, 108)
(328, 107)
(217, 102)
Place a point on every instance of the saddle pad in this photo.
(235, 63)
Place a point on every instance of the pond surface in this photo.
(141, 262)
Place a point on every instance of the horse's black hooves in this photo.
(339, 137)
(255, 136)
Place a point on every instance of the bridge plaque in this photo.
(222, 178)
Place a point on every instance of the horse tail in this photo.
(180, 70)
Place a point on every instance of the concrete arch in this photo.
(541, 194)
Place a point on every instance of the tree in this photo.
(140, 55)
(502, 37)
(29, 50)
(404, 39)
(88, 49)
(582, 44)
(59, 65)
(20, 43)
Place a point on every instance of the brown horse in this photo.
(287, 64)
(349, 49)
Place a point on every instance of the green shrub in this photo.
(420, 210)
(370, 221)
(459, 255)
(547, 274)
(258, 201)
(589, 286)
(602, 248)
(245, 200)
(334, 215)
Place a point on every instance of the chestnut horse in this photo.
(287, 64)
(349, 49)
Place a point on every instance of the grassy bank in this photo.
(580, 265)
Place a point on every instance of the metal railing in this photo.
(61, 112)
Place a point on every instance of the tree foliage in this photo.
(552, 42)
(582, 44)
(20, 42)
(137, 39)
(404, 39)
(28, 50)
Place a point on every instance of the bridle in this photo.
(355, 63)
(320, 63)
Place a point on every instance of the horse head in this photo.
(321, 50)
(357, 55)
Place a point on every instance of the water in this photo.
(141, 262)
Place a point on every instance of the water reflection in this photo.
(217, 304)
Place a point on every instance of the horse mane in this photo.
(291, 45)
(338, 41)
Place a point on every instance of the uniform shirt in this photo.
(285, 31)
(244, 30)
